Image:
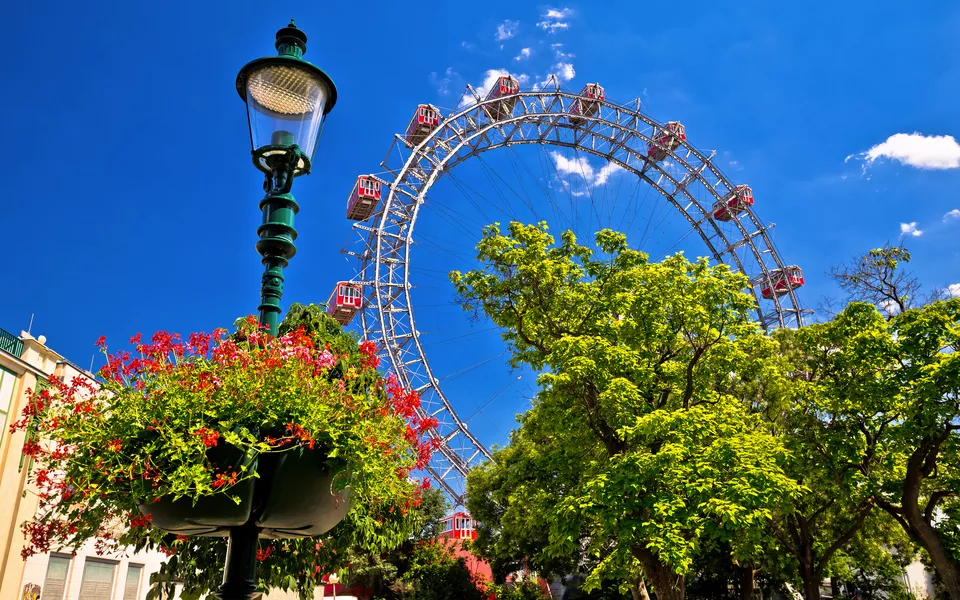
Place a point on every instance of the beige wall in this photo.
(18, 500)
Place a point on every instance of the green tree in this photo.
(825, 458)
(892, 386)
(437, 574)
(384, 573)
(636, 358)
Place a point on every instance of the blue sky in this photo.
(131, 205)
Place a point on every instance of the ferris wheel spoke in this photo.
(489, 401)
(558, 215)
(463, 185)
(475, 365)
(496, 188)
(462, 337)
(574, 205)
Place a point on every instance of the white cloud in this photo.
(565, 71)
(953, 290)
(552, 26)
(605, 172)
(489, 80)
(582, 168)
(573, 166)
(558, 50)
(507, 30)
(910, 229)
(443, 83)
(524, 53)
(917, 150)
(953, 214)
(553, 20)
(890, 307)
(562, 71)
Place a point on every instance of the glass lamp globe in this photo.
(287, 101)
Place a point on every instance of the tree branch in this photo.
(935, 499)
(843, 539)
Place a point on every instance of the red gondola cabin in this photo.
(782, 281)
(666, 139)
(425, 120)
(588, 104)
(734, 203)
(364, 198)
(507, 88)
(345, 301)
(459, 526)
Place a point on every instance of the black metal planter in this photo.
(293, 497)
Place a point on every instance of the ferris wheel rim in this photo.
(425, 153)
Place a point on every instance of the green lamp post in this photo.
(287, 101)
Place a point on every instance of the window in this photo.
(97, 581)
(56, 581)
(349, 292)
(8, 380)
(131, 588)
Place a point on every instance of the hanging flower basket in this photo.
(292, 434)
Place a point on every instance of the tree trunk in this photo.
(946, 567)
(917, 525)
(639, 589)
(745, 582)
(812, 579)
(667, 584)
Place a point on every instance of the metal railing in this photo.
(11, 343)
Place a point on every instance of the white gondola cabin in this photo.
(734, 203)
(782, 281)
(506, 88)
(345, 301)
(364, 198)
(666, 139)
(587, 104)
(425, 120)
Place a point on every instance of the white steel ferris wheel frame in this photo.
(617, 133)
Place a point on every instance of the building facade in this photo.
(26, 363)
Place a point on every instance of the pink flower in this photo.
(325, 360)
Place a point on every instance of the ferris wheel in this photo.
(558, 129)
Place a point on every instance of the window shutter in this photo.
(55, 582)
(97, 580)
(131, 587)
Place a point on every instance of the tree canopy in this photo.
(635, 418)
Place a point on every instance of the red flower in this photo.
(264, 553)
(141, 521)
(208, 436)
(114, 445)
(101, 342)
